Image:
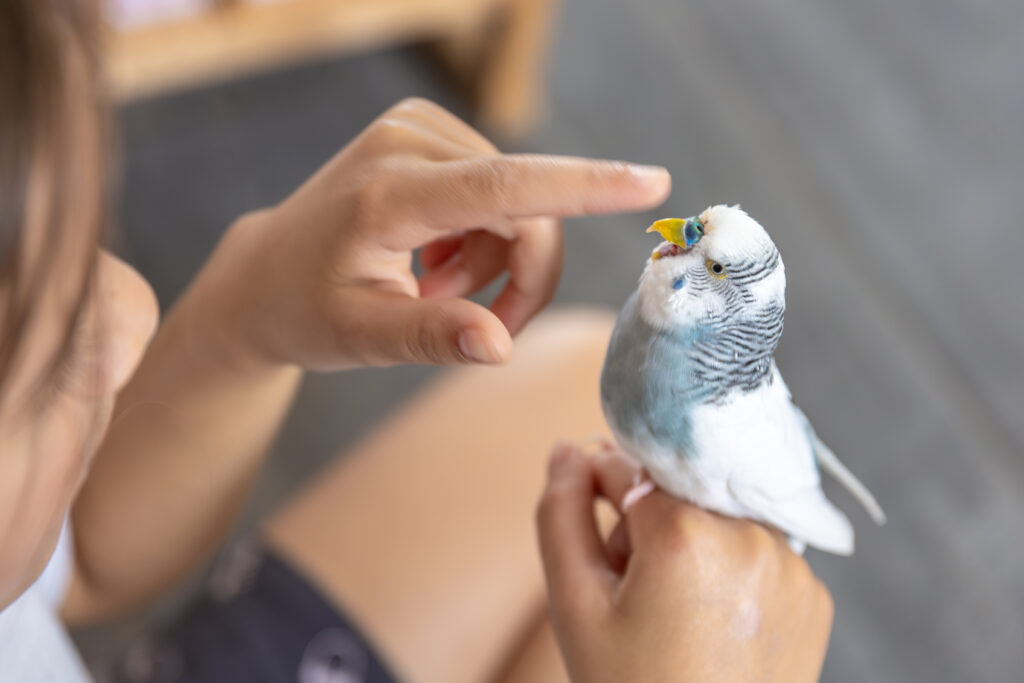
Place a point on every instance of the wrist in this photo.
(218, 313)
(212, 335)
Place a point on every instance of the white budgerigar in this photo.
(691, 390)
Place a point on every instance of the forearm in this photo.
(324, 280)
(188, 437)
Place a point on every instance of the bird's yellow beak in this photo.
(683, 232)
(671, 229)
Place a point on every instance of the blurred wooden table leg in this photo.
(512, 85)
(503, 61)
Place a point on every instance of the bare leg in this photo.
(539, 661)
(424, 533)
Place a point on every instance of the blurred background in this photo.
(880, 143)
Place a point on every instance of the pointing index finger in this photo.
(488, 191)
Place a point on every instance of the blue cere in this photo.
(678, 282)
(693, 230)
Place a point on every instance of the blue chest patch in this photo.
(647, 385)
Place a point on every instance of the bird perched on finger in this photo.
(690, 387)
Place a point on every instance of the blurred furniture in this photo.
(495, 47)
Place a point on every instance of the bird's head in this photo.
(717, 265)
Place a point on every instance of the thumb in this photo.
(436, 332)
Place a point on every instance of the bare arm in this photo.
(324, 281)
(188, 437)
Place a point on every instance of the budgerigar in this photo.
(691, 390)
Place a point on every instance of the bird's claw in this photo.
(642, 485)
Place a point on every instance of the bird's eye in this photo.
(715, 269)
(678, 282)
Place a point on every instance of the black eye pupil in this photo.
(717, 267)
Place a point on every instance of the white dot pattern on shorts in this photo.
(334, 655)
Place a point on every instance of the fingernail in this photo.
(475, 346)
(649, 175)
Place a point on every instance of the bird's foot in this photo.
(642, 485)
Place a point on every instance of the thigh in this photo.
(538, 660)
(424, 532)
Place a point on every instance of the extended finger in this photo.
(659, 521)
(393, 135)
(488, 192)
(535, 267)
(446, 124)
(667, 534)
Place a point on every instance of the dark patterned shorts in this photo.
(258, 622)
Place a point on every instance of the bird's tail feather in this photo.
(834, 466)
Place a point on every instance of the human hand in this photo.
(676, 593)
(325, 279)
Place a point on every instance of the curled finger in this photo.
(575, 566)
(535, 262)
(481, 258)
(439, 251)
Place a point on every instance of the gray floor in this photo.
(879, 142)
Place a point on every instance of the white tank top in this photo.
(33, 643)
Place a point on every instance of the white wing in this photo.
(757, 450)
(806, 515)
